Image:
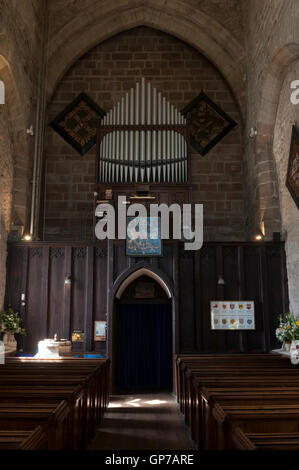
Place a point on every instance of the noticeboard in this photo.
(232, 315)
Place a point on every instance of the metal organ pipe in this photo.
(117, 149)
(137, 150)
(152, 155)
(172, 144)
(160, 140)
(126, 145)
(154, 141)
(142, 143)
(164, 138)
(177, 153)
(149, 134)
(132, 141)
(109, 122)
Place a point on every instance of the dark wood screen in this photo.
(251, 271)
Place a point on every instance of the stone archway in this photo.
(141, 269)
(83, 32)
(141, 272)
(268, 214)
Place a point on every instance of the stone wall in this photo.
(270, 46)
(106, 73)
(6, 176)
(20, 39)
(287, 115)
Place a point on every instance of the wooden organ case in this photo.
(143, 151)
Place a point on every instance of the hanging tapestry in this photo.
(293, 167)
(143, 236)
(77, 123)
(209, 123)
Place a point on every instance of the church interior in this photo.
(120, 343)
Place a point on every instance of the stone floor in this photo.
(143, 422)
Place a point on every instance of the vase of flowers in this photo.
(287, 331)
(295, 340)
(10, 324)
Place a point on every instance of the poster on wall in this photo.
(78, 336)
(100, 328)
(232, 315)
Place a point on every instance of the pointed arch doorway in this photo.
(142, 337)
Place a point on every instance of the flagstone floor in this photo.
(143, 422)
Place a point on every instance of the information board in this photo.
(232, 315)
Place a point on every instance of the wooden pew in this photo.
(66, 397)
(53, 419)
(253, 419)
(196, 376)
(23, 440)
(182, 366)
(262, 441)
(240, 397)
(190, 385)
(75, 398)
(96, 383)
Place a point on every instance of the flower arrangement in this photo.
(288, 329)
(10, 321)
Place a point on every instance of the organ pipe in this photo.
(143, 139)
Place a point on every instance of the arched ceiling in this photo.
(84, 31)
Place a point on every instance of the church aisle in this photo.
(143, 422)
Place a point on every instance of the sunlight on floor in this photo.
(136, 403)
(155, 402)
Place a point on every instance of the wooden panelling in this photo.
(78, 288)
(250, 271)
(208, 287)
(186, 303)
(100, 283)
(56, 292)
(34, 298)
(120, 259)
(252, 291)
(165, 262)
(274, 259)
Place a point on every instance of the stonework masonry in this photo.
(287, 115)
(241, 53)
(106, 73)
(272, 44)
(20, 37)
(6, 177)
(269, 51)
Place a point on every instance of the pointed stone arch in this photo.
(138, 273)
(138, 270)
(187, 23)
(121, 282)
(267, 192)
